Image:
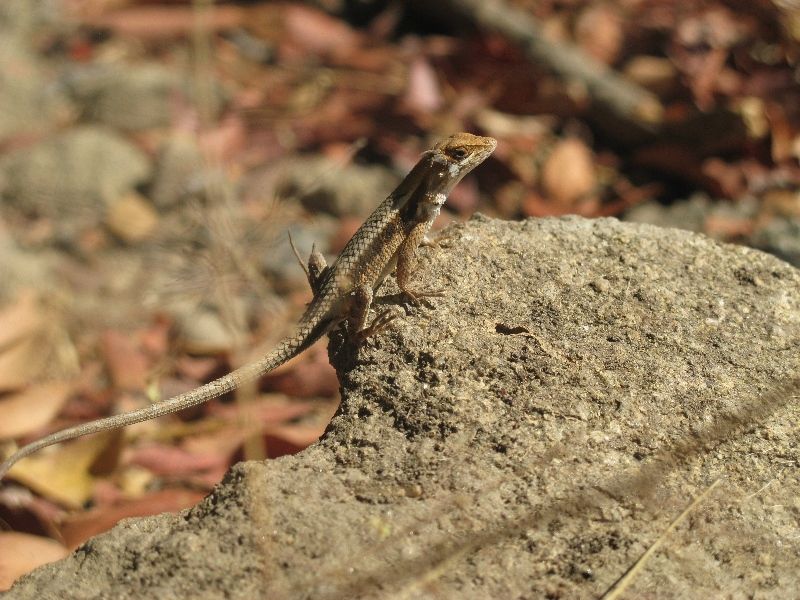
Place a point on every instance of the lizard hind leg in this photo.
(316, 267)
(442, 240)
(379, 324)
(359, 314)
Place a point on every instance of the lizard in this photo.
(342, 292)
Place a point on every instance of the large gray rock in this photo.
(130, 98)
(72, 177)
(29, 101)
(531, 437)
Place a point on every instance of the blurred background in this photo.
(153, 155)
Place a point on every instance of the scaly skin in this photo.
(389, 238)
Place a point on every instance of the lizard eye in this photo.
(458, 153)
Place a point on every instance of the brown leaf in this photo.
(31, 409)
(598, 31)
(170, 460)
(23, 552)
(79, 528)
(290, 439)
(155, 22)
(785, 136)
(20, 320)
(21, 356)
(225, 140)
(655, 73)
(310, 375)
(32, 345)
(317, 32)
(267, 409)
(568, 174)
(424, 93)
(22, 363)
(727, 179)
(128, 365)
(62, 473)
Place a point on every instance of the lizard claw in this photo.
(440, 241)
(416, 296)
(380, 323)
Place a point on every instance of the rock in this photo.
(28, 103)
(693, 214)
(74, 175)
(180, 172)
(24, 268)
(530, 437)
(132, 218)
(131, 98)
(781, 237)
(202, 329)
(23, 20)
(324, 185)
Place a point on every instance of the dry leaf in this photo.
(317, 33)
(267, 409)
(311, 375)
(22, 363)
(62, 473)
(424, 94)
(78, 529)
(599, 33)
(170, 460)
(655, 73)
(20, 319)
(568, 174)
(31, 409)
(290, 439)
(155, 22)
(32, 345)
(23, 552)
(128, 366)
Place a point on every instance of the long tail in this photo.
(288, 348)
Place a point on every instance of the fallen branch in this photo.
(605, 86)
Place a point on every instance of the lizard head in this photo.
(455, 156)
(438, 171)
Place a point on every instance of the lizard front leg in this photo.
(407, 261)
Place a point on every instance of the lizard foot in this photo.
(440, 241)
(415, 296)
(380, 323)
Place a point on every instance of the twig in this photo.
(624, 98)
(621, 584)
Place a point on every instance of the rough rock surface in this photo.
(72, 177)
(580, 383)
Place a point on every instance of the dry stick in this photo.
(621, 584)
(624, 98)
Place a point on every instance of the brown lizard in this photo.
(387, 241)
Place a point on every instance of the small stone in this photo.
(131, 218)
(568, 174)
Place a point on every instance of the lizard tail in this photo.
(305, 336)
